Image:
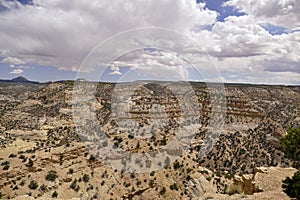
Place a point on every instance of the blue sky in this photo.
(224, 11)
(48, 40)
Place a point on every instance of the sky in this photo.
(205, 40)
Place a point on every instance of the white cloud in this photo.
(114, 68)
(155, 64)
(61, 33)
(280, 12)
(24, 67)
(12, 60)
(16, 71)
(115, 73)
(244, 51)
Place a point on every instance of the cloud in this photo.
(24, 67)
(16, 71)
(240, 44)
(115, 73)
(283, 12)
(154, 64)
(61, 33)
(115, 68)
(12, 60)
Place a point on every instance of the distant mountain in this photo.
(19, 79)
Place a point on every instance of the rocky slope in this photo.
(38, 134)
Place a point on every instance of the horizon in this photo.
(190, 81)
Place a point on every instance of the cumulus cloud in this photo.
(16, 71)
(241, 46)
(280, 12)
(61, 33)
(155, 64)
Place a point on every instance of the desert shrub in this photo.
(51, 176)
(30, 163)
(291, 186)
(86, 178)
(54, 194)
(74, 185)
(43, 187)
(71, 171)
(152, 173)
(163, 191)
(16, 188)
(33, 185)
(12, 155)
(92, 158)
(176, 165)
(22, 183)
(174, 186)
(6, 167)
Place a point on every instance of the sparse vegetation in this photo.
(252, 142)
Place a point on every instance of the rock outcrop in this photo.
(264, 179)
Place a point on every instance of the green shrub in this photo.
(33, 185)
(74, 185)
(163, 191)
(54, 194)
(12, 155)
(51, 176)
(291, 186)
(71, 171)
(92, 158)
(86, 178)
(174, 186)
(43, 187)
(6, 167)
(291, 146)
(22, 183)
